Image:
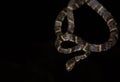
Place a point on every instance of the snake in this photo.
(80, 43)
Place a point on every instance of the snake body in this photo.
(82, 44)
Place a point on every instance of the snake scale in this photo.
(80, 43)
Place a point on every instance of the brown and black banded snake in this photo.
(82, 44)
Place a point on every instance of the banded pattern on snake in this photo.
(82, 44)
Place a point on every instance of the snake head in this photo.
(70, 64)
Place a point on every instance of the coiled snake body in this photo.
(82, 44)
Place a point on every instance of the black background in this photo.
(43, 63)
